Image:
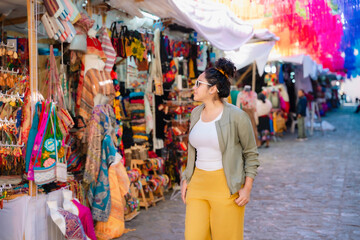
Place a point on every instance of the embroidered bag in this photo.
(68, 223)
(32, 135)
(38, 140)
(61, 166)
(44, 169)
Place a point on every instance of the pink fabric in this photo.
(137, 101)
(70, 8)
(86, 220)
(284, 105)
(247, 100)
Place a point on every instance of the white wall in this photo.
(351, 87)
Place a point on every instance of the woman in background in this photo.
(263, 109)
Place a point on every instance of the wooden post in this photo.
(32, 67)
(254, 76)
(241, 78)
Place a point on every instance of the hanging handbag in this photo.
(72, 32)
(64, 34)
(32, 136)
(61, 165)
(54, 7)
(65, 14)
(44, 169)
(75, 16)
(45, 19)
(115, 38)
(38, 140)
(122, 42)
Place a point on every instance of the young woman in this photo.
(263, 109)
(216, 187)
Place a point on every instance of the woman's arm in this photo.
(250, 155)
(248, 144)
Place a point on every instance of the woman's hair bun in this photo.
(227, 66)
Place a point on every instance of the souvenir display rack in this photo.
(179, 106)
(13, 87)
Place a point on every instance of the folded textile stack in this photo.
(59, 18)
(137, 113)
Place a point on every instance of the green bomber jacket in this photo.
(237, 144)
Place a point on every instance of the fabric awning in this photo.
(251, 52)
(311, 68)
(215, 22)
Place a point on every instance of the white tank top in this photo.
(204, 138)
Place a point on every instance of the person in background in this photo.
(217, 186)
(301, 114)
(246, 100)
(357, 109)
(263, 109)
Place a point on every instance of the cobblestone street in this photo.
(304, 190)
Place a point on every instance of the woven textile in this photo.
(108, 50)
(95, 82)
(74, 228)
(119, 186)
(102, 120)
(99, 193)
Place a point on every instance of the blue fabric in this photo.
(136, 94)
(281, 74)
(138, 111)
(99, 192)
(271, 126)
(301, 107)
(31, 138)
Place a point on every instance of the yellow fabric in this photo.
(191, 69)
(229, 100)
(119, 186)
(134, 128)
(141, 137)
(211, 212)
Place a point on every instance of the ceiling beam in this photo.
(14, 21)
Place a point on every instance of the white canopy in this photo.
(263, 35)
(213, 21)
(311, 68)
(251, 52)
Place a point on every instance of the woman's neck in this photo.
(213, 106)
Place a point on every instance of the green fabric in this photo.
(233, 95)
(301, 127)
(237, 144)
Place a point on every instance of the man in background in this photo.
(301, 114)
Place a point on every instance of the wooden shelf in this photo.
(131, 216)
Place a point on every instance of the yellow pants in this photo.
(211, 212)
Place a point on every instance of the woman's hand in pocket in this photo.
(183, 190)
(244, 197)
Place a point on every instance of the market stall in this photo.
(95, 113)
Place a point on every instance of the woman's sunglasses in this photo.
(198, 83)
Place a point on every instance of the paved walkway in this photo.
(304, 190)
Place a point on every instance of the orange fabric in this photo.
(119, 186)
